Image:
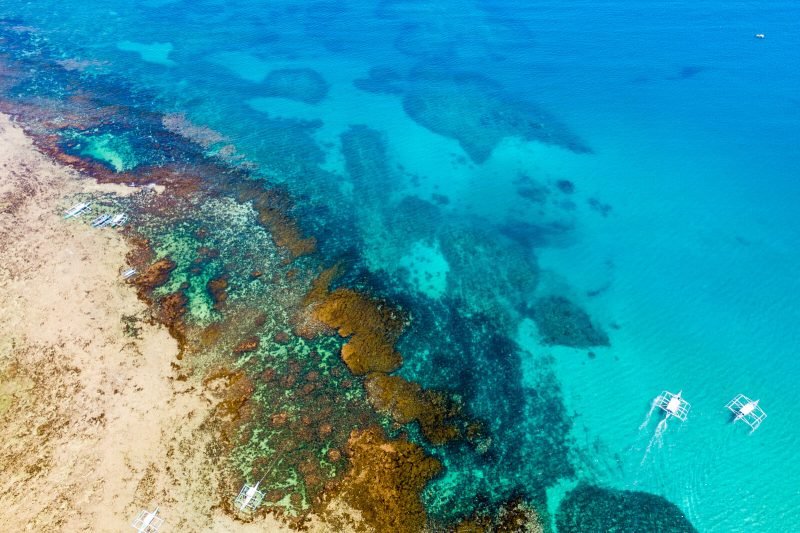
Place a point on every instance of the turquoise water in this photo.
(640, 161)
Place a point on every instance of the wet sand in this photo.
(94, 424)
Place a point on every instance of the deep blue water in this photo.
(473, 160)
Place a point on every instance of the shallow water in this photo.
(471, 158)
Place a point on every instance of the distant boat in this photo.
(760, 35)
(77, 209)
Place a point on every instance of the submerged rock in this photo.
(470, 108)
(382, 80)
(591, 508)
(561, 322)
(301, 84)
(479, 114)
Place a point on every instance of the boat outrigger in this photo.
(746, 410)
(673, 404)
(77, 209)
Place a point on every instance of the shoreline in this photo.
(95, 425)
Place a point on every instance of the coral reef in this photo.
(289, 407)
(562, 322)
(406, 402)
(513, 516)
(591, 508)
(473, 254)
(272, 207)
(385, 479)
(301, 84)
(364, 150)
(523, 444)
(202, 135)
(372, 325)
(233, 390)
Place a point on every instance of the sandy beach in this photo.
(94, 425)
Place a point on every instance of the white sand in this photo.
(93, 426)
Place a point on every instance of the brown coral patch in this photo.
(234, 409)
(373, 328)
(210, 335)
(372, 325)
(170, 312)
(172, 308)
(405, 402)
(273, 207)
(156, 275)
(247, 345)
(385, 479)
(218, 288)
(334, 455)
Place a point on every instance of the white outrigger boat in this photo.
(746, 410)
(249, 498)
(118, 220)
(77, 209)
(147, 522)
(101, 221)
(129, 273)
(673, 404)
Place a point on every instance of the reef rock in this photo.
(385, 480)
(513, 516)
(405, 402)
(156, 274)
(591, 508)
(218, 288)
(372, 325)
(247, 345)
(562, 322)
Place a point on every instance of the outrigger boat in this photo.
(118, 220)
(77, 209)
(129, 273)
(101, 221)
(673, 405)
(249, 498)
(746, 410)
(147, 522)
